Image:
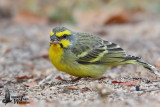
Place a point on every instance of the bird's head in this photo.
(61, 36)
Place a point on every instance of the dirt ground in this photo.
(24, 64)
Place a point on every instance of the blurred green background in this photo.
(74, 11)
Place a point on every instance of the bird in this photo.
(87, 55)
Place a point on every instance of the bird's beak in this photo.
(54, 40)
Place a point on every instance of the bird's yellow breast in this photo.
(55, 55)
(66, 64)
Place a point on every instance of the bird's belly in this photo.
(80, 70)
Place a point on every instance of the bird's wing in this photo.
(100, 52)
(113, 54)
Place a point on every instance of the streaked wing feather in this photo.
(104, 54)
(92, 55)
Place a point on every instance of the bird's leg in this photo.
(102, 78)
(76, 79)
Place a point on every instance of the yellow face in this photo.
(60, 36)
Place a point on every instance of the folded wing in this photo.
(104, 53)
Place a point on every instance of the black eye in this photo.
(64, 36)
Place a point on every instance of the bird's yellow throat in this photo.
(56, 53)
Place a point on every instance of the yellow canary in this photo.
(86, 55)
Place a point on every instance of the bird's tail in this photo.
(136, 60)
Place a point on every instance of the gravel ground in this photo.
(24, 63)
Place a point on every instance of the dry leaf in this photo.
(116, 82)
(85, 89)
(27, 17)
(59, 78)
(31, 84)
(125, 83)
(24, 77)
(130, 83)
(120, 18)
(23, 104)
